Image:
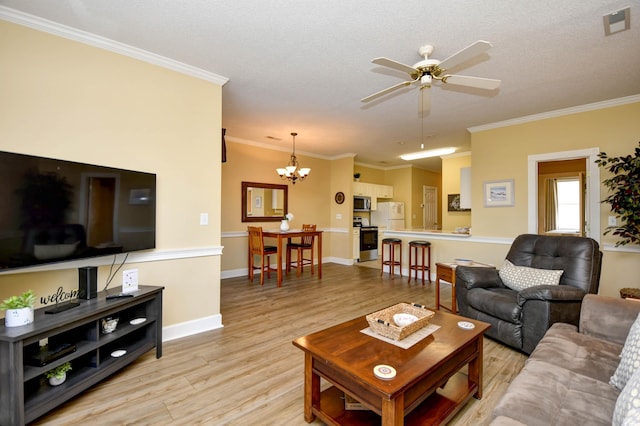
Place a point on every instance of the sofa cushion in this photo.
(548, 394)
(520, 277)
(630, 357)
(502, 303)
(586, 355)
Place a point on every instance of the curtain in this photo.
(224, 147)
(551, 204)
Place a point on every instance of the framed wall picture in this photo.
(453, 203)
(499, 193)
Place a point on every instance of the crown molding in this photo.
(264, 145)
(557, 113)
(44, 25)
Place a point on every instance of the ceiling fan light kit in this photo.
(292, 171)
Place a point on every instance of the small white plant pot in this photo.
(55, 381)
(18, 317)
(284, 225)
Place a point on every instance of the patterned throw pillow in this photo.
(520, 277)
(628, 402)
(630, 357)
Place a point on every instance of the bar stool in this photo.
(391, 244)
(424, 246)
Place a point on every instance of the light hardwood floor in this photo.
(248, 372)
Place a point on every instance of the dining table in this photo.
(293, 233)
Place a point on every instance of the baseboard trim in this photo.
(190, 328)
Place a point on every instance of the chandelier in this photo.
(293, 171)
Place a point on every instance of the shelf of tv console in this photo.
(92, 359)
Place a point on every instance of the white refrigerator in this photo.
(389, 215)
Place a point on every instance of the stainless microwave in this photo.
(361, 204)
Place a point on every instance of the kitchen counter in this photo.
(424, 232)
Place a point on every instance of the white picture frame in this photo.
(499, 193)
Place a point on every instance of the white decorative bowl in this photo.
(403, 319)
(464, 262)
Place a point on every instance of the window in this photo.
(568, 205)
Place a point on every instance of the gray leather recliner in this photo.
(520, 318)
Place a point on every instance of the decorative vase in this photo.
(284, 225)
(55, 381)
(18, 317)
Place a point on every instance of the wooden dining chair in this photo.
(257, 248)
(305, 244)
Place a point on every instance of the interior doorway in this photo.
(561, 197)
(430, 207)
(591, 189)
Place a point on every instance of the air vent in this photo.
(617, 21)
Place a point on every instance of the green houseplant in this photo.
(58, 375)
(19, 309)
(624, 197)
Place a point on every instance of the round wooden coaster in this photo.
(384, 372)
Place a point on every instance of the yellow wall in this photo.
(310, 201)
(370, 174)
(68, 100)
(502, 153)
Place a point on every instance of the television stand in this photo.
(26, 395)
(61, 307)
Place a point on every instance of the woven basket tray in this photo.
(630, 293)
(382, 323)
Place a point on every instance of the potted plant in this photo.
(19, 309)
(356, 176)
(58, 375)
(624, 197)
(284, 224)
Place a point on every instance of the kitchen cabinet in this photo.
(373, 191)
(362, 188)
(384, 191)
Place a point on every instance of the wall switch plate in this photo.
(204, 218)
(129, 280)
(612, 221)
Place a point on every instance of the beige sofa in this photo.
(565, 381)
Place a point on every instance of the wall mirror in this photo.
(263, 202)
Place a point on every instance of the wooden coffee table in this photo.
(429, 387)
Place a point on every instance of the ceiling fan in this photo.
(428, 70)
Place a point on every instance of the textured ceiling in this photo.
(303, 66)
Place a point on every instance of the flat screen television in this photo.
(56, 210)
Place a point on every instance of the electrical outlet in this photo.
(204, 218)
(612, 221)
(129, 280)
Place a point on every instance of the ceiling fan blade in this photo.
(387, 90)
(389, 63)
(425, 100)
(465, 54)
(477, 82)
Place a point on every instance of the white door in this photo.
(430, 210)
